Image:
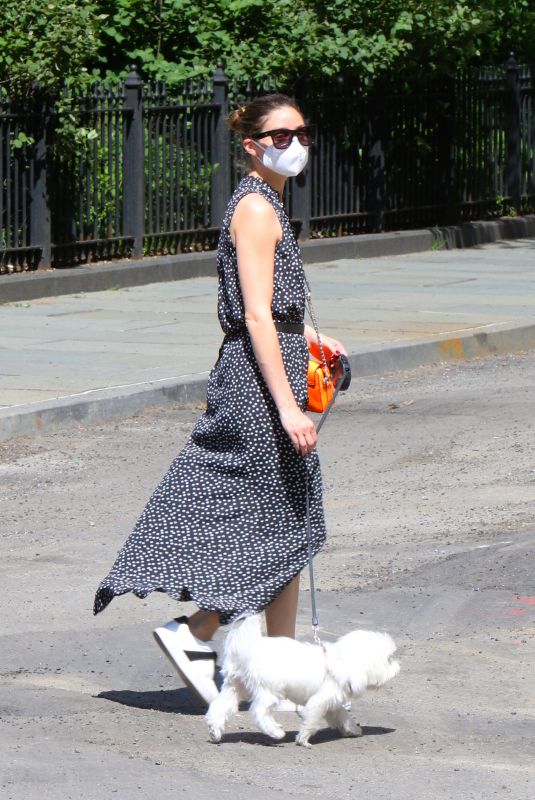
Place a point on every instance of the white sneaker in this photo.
(193, 659)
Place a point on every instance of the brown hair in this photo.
(247, 119)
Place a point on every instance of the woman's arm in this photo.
(255, 231)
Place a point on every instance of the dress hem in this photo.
(105, 595)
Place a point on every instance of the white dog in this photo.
(321, 678)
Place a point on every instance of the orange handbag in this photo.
(328, 373)
(320, 379)
(320, 361)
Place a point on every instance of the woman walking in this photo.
(226, 527)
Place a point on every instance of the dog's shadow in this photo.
(321, 737)
(170, 701)
(181, 701)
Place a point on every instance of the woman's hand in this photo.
(299, 428)
(333, 345)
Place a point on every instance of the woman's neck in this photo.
(277, 182)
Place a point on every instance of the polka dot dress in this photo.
(226, 527)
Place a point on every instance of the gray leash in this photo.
(315, 623)
(343, 382)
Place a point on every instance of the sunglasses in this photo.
(282, 137)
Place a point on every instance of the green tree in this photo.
(51, 40)
(512, 29)
(45, 41)
(285, 39)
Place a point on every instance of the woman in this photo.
(226, 527)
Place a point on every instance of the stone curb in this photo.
(119, 275)
(100, 405)
(494, 339)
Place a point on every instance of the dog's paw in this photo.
(350, 728)
(274, 732)
(302, 740)
(215, 733)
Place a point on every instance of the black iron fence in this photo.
(148, 170)
(18, 177)
(89, 179)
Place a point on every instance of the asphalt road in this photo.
(430, 495)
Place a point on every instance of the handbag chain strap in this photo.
(308, 298)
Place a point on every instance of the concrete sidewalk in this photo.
(74, 358)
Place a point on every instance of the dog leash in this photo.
(315, 623)
(344, 379)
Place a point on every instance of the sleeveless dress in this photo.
(226, 527)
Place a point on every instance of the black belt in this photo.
(289, 327)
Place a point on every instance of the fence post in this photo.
(40, 224)
(301, 200)
(221, 189)
(376, 184)
(446, 143)
(513, 169)
(301, 185)
(134, 164)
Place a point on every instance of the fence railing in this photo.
(151, 170)
(19, 186)
(87, 193)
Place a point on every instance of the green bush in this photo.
(51, 41)
(46, 41)
(313, 39)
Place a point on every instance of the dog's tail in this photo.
(242, 635)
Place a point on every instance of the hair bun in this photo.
(234, 117)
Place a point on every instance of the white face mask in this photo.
(289, 162)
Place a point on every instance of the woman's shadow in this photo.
(171, 701)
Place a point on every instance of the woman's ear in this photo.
(250, 147)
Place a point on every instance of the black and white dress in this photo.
(226, 527)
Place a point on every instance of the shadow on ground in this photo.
(174, 701)
(322, 737)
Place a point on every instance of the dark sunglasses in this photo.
(282, 137)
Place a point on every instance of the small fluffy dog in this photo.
(322, 679)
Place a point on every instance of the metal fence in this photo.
(85, 180)
(180, 134)
(18, 165)
(149, 170)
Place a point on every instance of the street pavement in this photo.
(430, 497)
(57, 353)
(430, 500)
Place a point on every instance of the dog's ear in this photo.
(349, 677)
(357, 681)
